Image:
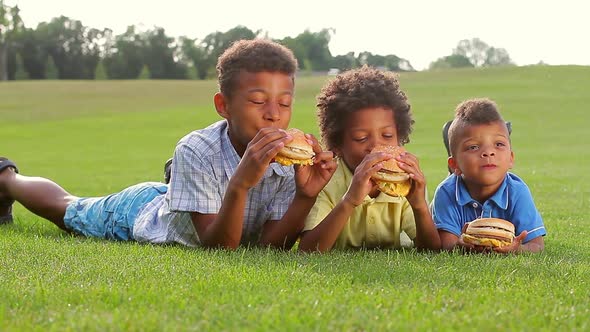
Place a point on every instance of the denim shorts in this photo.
(111, 217)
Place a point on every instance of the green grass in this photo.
(98, 137)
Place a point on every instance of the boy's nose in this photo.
(272, 112)
(488, 154)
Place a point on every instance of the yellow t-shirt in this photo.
(380, 222)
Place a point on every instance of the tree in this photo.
(124, 55)
(195, 55)
(215, 43)
(34, 54)
(75, 49)
(451, 61)
(475, 50)
(160, 57)
(11, 25)
(345, 62)
(481, 54)
(497, 57)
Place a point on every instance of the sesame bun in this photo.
(391, 179)
(489, 232)
(298, 151)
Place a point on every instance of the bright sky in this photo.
(555, 32)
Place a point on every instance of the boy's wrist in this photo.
(420, 207)
(299, 195)
(236, 186)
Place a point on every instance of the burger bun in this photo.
(489, 232)
(296, 152)
(391, 179)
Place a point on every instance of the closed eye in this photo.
(256, 102)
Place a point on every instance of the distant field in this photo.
(98, 137)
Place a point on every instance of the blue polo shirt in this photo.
(452, 206)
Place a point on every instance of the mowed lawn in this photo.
(95, 138)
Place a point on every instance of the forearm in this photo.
(536, 245)
(285, 232)
(226, 229)
(324, 235)
(427, 236)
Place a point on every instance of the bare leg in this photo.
(41, 196)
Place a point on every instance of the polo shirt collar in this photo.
(231, 159)
(500, 198)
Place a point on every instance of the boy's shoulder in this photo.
(449, 183)
(206, 141)
(517, 184)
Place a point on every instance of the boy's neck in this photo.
(481, 193)
(240, 149)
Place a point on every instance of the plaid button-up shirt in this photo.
(203, 163)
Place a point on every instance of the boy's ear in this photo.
(453, 166)
(511, 159)
(221, 105)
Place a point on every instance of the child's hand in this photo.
(310, 180)
(258, 155)
(515, 246)
(362, 184)
(409, 163)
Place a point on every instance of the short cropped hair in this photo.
(358, 89)
(472, 112)
(257, 55)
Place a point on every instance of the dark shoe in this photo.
(167, 171)
(6, 204)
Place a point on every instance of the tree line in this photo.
(64, 48)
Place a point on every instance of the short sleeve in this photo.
(408, 221)
(283, 198)
(525, 215)
(322, 207)
(445, 212)
(193, 187)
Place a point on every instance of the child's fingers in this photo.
(323, 156)
(314, 143)
(266, 144)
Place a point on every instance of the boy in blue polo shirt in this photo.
(225, 189)
(481, 185)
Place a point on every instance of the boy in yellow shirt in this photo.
(359, 110)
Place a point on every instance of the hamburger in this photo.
(489, 232)
(296, 152)
(391, 179)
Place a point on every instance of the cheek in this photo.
(353, 159)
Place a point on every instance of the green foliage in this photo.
(481, 54)
(51, 72)
(124, 58)
(74, 47)
(451, 61)
(159, 56)
(20, 73)
(99, 137)
(100, 73)
(145, 73)
(35, 56)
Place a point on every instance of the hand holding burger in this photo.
(296, 152)
(391, 179)
(489, 232)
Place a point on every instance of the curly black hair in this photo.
(256, 55)
(358, 89)
(471, 112)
